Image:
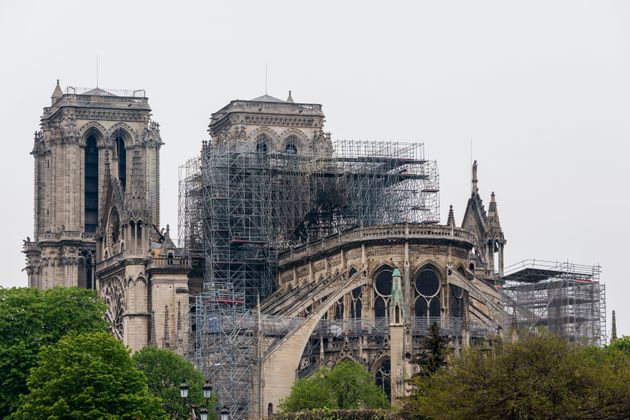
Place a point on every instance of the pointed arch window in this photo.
(427, 293)
(290, 147)
(90, 189)
(121, 154)
(382, 291)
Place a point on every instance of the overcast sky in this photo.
(541, 89)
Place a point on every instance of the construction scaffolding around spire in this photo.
(568, 299)
(240, 206)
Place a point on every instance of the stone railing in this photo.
(399, 231)
(114, 259)
(65, 234)
(169, 262)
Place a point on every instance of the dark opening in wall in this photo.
(91, 185)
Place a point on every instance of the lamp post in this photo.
(225, 413)
(207, 393)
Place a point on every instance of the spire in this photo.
(136, 194)
(613, 333)
(493, 214)
(451, 217)
(396, 303)
(474, 178)
(57, 93)
(290, 98)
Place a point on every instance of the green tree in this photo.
(347, 386)
(165, 371)
(87, 376)
(539, 376)
(432, 352)
(431, 357)
(30, 319)
(621, 343)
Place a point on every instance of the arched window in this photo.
(339, 309)
(90, 189)
(270, 410)
(121, 153)
(262, 143)
(291, 145)
(457, 301)
(426, 291)
(382, 291)
(383, 376)
(356, 304)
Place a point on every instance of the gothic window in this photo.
(90, 190)
(426, 291)
(339, 309)
(457, 301)
(382, 291)
(113, 295)
(121, 153)
(262, 144)
(356, 304)
(383, 376)
(291, 142)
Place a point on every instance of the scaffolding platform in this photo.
(567, 298)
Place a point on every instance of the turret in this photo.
(57, 93)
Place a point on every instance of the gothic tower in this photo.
(82, 132)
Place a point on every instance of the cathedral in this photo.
(318, 251)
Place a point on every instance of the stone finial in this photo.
(613, 333)
(57, 93)
(396, 304)
(290, 98)
(493, 213)
(474, 178)
(451, 217)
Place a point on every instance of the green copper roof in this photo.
(396, 273)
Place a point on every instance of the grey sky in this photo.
(541, 88)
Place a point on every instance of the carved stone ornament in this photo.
(113, 295)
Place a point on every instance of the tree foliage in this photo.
(87, 376)
(432, 352)
(431, 357)
(30, 319)
(347, 386)
(539, 376)
(621, 344)
(165, 371)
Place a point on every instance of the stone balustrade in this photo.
(390, 232)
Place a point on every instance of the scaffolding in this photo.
(240, 206)
(190, 206)
(568, 299)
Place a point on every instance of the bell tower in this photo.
(83, 132)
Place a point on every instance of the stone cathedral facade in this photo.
(97, 225)
(97, 214)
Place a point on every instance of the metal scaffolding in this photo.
(239, 207)
(568, 299)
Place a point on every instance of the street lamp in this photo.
(225, 413)
(207, 393)
(203, 413)
(183, 390)
(207, 390)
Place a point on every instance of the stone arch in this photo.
(125, 128)
(272, 135)
(96, 128)
(381, 371)
(292, 136)
(282, 360)
(434, 264)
